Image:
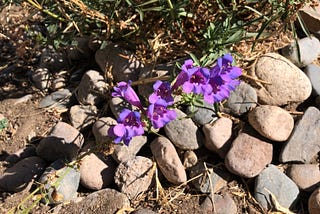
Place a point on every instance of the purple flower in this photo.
(162, 90)
(198, 81)
(224, 65)
(124, 90)
(183, 75)
(129, 125)
(159, 115)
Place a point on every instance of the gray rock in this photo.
(100, 129)
(287, 82)
(82, 116)
(218, 136)
(242, 100)
(272, 180)
(58, 99)
(42, 78)
(92, 88)
(53, 60)
(64, 141)
(313, 72)
(117, 104)
(134, 176)
(248, 155)
(202, 115)
(271, 122)
(303, 145)
(212, 179)
(22, 99)
(183, 133)
(120, 63)
(309, 48)
(306, 176)
(221, 204)
(168, 160)
(189, 159)
(59, 80)
(60, 181)
(96, 171)
(144, 211)
(25, 152)
(123, 153)
(80, 50)
(314, 202)
(17, 177)
(102, 201)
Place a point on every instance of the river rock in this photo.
(96, 171)
(202, 115)
(248, 155)
(271, 122)
(306, 176)
(272, 180)
(22, 153)
(311, 18)
(303, 145)
(64, 141)
(183, 133)
(314, 202)
(100, 129)
(58, 99)
(242, 100)
(221, 204)
(189, 159)
(117, 105)
(17, 177)
(168, 160)
(41, 78)
(82, 116)
(313, 72)
(134, 176)
(286, 82)
(218, 136)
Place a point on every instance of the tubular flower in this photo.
(162, 90)
(129, 125)
(159, 115)
(124, 90)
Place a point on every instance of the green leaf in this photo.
(3, 124)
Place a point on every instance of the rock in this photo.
(64, 141)
(311, 18)
(248, 155)
(313, 72)
(223, 204)
(59, 80)
(202, 115)
(168, 160)
(25, 152)
(96, 171)
(18, 177)
(271, 122)
(144, 211)
(117, 104)
(102, 201)
(212, 179)
(218, 136)
(189, 159)
(58, 99)
(303, 145)
(42, 78)
(134, 176)
(60, 182)
(183, 133)
(314, 202)
(80, 50)
(22, 99)
(242, 100)
(309, 48)
(53, 60)
(306, 176)
(92, 88)
(272, 180)
(120, 63)
(287, 82)
(100, 129)
(82, 116)
(123, 153)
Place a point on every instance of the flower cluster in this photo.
(213, 84)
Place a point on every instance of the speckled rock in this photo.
(183, 133)
(303, 145)
(60, 181)
(306, 176)
(168, 160)
(314, 202)
(96, 171)
(221, 204)
(17, 177)
(287, 82)
(58, 99)
(100, 129)
(64, 141)
(271, 122)
(122, 152)
(202, 115)
(218, 136)
(271, 179)
(243, 99)
(122, 64)
(82, 116)
(313, 72)
(248, 155)
(134, 176)
(92, 88)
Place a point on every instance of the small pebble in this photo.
(58, 99)
(202, 115)
(190, 159)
